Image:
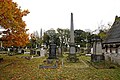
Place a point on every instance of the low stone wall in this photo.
(113, 57)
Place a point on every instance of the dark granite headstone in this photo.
(22, 51)
(38, 53)
(32, 52)
(52, 51)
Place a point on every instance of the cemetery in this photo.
(40, 63)
(61, 54)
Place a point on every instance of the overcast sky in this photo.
(88, 14)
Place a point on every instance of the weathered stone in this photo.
(52, 51)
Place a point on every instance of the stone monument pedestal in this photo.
(72, 58)
(97, 55)
(52, 51)
(72, 55)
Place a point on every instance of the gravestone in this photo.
(97, 48)
(37, 51)
(22, 51)
(59, 51)
(52, 51)
(43, 52)
(19, 51)
(32, 52)
(97, 51)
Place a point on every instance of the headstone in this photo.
(97, 52)
(8, 49)
(11, 49)
(38, 52)
(52, 51)
(19, 51)
(97, 58)
(91, 50)
(114, 50)
(22, 51)
(119, 50)
(59, 51)
(42, 52)
(98, 48)
(32, 52)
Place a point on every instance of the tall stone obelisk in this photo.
(72, 55)
(72, 30)
(72, 43)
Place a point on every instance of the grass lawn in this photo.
(17, 68)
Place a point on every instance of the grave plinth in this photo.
(52, 51)
(97, 50)
(72, 48)
(97, 57)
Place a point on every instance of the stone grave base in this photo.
(50, 64)
(72, 58)
(97, 57)
(48, 67)
(26, 57)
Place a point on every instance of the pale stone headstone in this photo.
(91, 50)
(113, 50)
(72, 50)
(97, 52)
(43, 52)
(108, 50)
(8, 49)
(119, 50)
(98, 48)
(59, 51)
(19, 51)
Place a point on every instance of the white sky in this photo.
(88, 14)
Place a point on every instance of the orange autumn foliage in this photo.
(11, 20)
